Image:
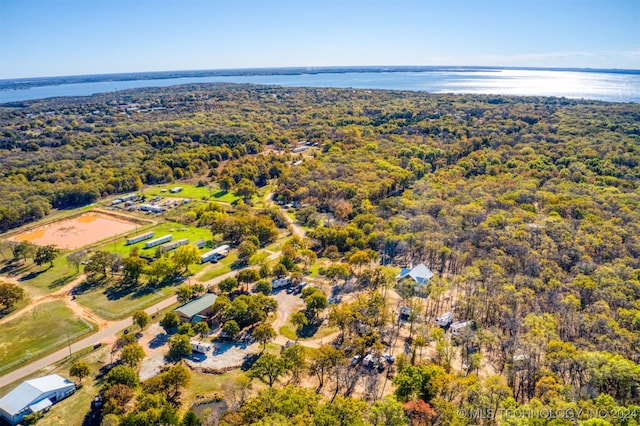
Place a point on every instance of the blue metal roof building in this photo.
(33, 396)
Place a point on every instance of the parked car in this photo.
(355, 360)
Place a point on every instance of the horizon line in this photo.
(324, 69)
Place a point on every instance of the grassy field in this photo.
(191, 191)
(31, 334)
(222, 267)
(40, 280)
(111, 306)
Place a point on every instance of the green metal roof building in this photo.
(198, 309)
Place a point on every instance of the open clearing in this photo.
(77, 232)
(31, 334)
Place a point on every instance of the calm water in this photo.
(571, 84)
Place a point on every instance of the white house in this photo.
(33, 396)
(420, 274)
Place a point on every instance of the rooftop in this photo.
(420, 274)
(198, 305)
(29, 391)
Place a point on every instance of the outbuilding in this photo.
(34, 396)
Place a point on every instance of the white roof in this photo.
(420, 274)
(31, 391)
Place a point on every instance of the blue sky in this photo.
(73, 37)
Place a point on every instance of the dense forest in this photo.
(527, 210)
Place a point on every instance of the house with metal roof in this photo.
(420, 274)
(198, 309)
(33, 396)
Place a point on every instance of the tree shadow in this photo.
(14, 268)
(61, 281)
(220, 194)
(93, 418)
(159, 340)
(6, 311)
(31, 275)
(88, 286)
(309, 330)
(248, 361)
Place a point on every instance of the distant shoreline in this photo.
(26, 83)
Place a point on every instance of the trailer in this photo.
(158, 241)
(200, 244)
(151, 208)
(215, 254)
(174, 244)
(201, 347)
(445, 319)
(280, 282)
(139, 238)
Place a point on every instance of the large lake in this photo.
(613, 87)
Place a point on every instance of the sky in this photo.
(41, 38)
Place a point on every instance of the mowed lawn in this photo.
(39, 331)
(113, 307)
(41, 280)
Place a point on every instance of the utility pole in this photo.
(69, 343)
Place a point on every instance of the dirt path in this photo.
(61, 293)
(295, 228)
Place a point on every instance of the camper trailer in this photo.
(201, 347)
(445, 319)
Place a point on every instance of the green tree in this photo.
(24, 250)
(316, 301)
(132, 269)
(10, 294)
(201, 328)
(268, 368)
(179, 347)
(324, 361)
(341, 411)
(176, 378)
(247, 276)
(185, 256)
(295, 363)
(190, 419)
(141, 319)
(246, 249)
(46, 254)
(264, 287)
(99, 264)
(80, 369)
(184, 293)
(299, 320)
(122, 375)
(132, 355)
(263, 334)
(387, 412)
(170, 321)
(417, 382)
(231, 329)
(228, 284)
